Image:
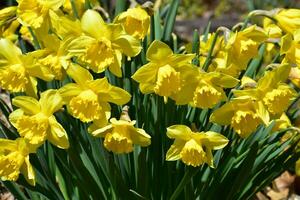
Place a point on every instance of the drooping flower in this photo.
(35, 13)
(288, 19)
(35, 120)
(18, 72)
(8, 24)
(120, 136)
(166, 73)
(14, 159)
(271, 90)
(290, 48)
(135, 21)
(206, 90)
(243, 115)
(87, 99)
(193, 148)
(103, 44)
(54, 55)
(240, 48)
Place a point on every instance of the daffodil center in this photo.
(119, 140)
(99, 54)
(193, 153)
(34, 128)
(206, 96)
(53, 63)
(86, 106)
(277, 100)
(168, 81)
(10, 165)
(245, 122)
(14, 78)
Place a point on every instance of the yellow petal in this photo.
(28, 104)
(93, 24)
(140, 137)
(28, 172)
(57, 134)
(181, 132)
(31, 87)
(158, 51)
(174, 151)
(118, 96)
(79, 74)
(223, 80)
(223, 114)
(146, 74)
(50, 101)
(70, 90)
(101, 132)
(129, 45)
(115, 67)
(215, 140)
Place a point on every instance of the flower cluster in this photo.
(81, 51)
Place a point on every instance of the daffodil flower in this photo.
(290, 48)
(288, 19)
(35, 120)
(102, 45)
(87, 99)
(120, 136)
(14, 159)
(166, 72)
(244, 115)
(18, 72)
(193, 148)
(135, 21)
(206, 90)
(271, 90)
(240, 48)
(54, 55)
(35, 13)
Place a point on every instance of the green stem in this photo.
(184, 181)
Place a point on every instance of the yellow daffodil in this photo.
(166, 72)
(206, 90)
(87, 99)
(64, 26)
(35, 120)
(8, 24)
(282, 123)
(193, 148)
(103, 44)
(14, 159)
(274, 34)
(54, 55)
(244, 116)
(241, 47)
(135, 21)
(34, 13)
(271, 90)
(120, 136)
(18, 72)
(288, 19)
(290, 47)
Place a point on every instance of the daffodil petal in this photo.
(28, 172)
(57, 134)
(158, 50)
(28, 104)
(174, 151)
(181, 132)
(51, 101)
